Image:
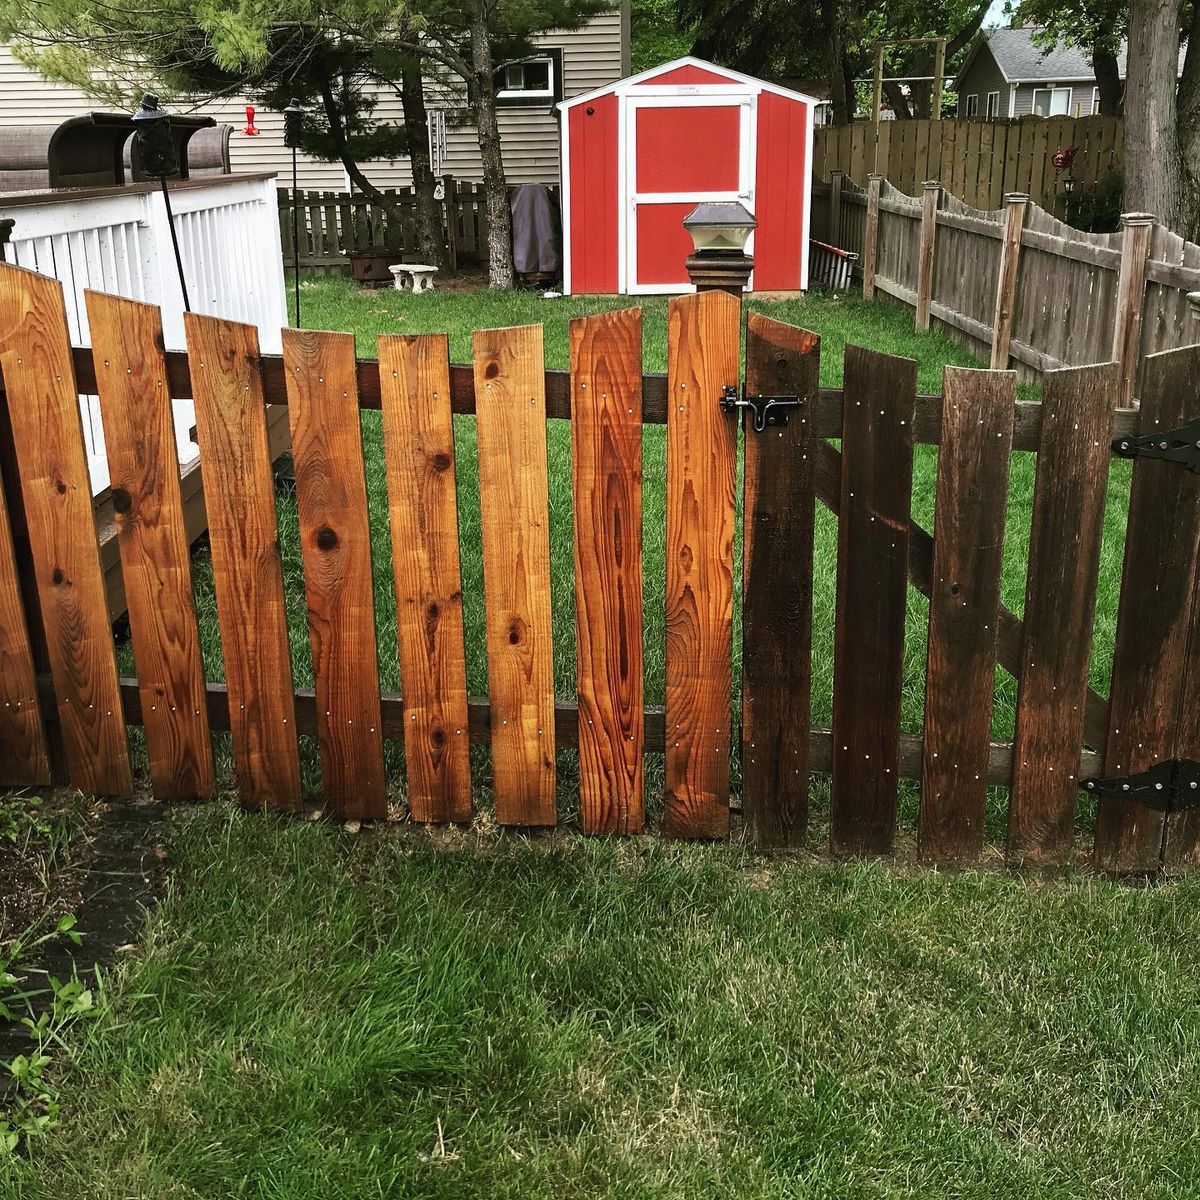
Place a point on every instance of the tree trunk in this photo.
(431, 241)
(843, 112)
(1188, 117)
(337, 129)
(1108, 81)
(1153, 167)
(495, 187)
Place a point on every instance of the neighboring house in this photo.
(570, 63)
(1006, 74)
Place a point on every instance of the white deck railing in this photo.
(116, 240)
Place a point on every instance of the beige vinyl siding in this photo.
(982, 77)
(592, 56)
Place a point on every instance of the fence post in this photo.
(871, 236)
(1015, 204)
(450, 200)
(933, 191)
(1127, 330)
(835, 206)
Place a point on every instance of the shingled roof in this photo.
(1021, 60)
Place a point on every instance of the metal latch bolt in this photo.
(767, 410)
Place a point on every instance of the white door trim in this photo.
(746, 99)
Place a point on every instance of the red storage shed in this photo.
(639, 154)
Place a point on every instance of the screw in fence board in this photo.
(139, 436)
(964, 608)
(1064, 559)
(510, 414)
(335, 545)
(871, 236)
(1159, 585)
(925, 251)
(1136, 229)
(606, 458)
(1015, 207)
(703, 335)
(835, 207)
(418, 433)
(777, 587)
(43, 406)
(876, 484)
(239, 492)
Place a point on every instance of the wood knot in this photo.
(955, 588)
(326, 538)
(517, 630)
(58, 577)
(60, 487)
(440, 461)
(491, 370)
(437, 738)
(122, 501)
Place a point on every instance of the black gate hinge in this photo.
(1180, 446)
(1172, 785)
(767, 410)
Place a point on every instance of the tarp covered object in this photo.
(537, 230)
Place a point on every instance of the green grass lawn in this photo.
(337, 303)
(399, 1014)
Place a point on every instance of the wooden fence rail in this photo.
(332, 226)
(1017, 284)
(981, 161)
(62, 666)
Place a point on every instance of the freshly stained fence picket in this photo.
(1066, 734)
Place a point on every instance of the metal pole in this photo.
(187, 306)
(296, 239)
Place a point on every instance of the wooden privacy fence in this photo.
(63, 700)
(981, 161)
(335, 225)
(1016, 282)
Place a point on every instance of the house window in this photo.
(1051, 101)
(1095, 101)
(531, 81)
(972, 106)
(993, 105)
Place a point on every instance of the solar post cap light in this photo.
(156, 148)
(293, 128)
(719, 231)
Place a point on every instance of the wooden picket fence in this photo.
(1016, 282)
(334, 225)
(64, 703)
(981, 161)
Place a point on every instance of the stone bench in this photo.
(413, 277)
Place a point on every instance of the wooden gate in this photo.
(65, 711)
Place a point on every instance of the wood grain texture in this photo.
(702, 359)
(335, 545)
(418, 431)
(1154, 714)
(925, 252)
(968, 562)
(1006, 280)
(43, 402)
(139, 437)
(24, 761)
(239, 491)
(1060, 593)
(514, 499)
(777, 557)
(873, 530)
(606, 457)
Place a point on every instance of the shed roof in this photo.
(734, 77)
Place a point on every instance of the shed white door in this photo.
(680, 150)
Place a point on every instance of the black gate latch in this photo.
(768, 410)
(1169, 786)
(1180, 446)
